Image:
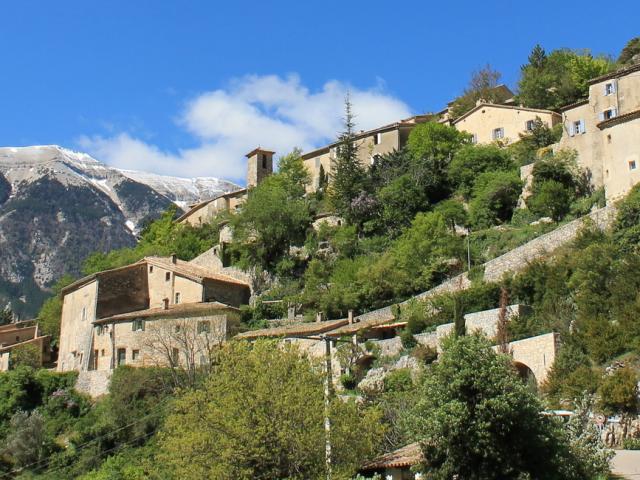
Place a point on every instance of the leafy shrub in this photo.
(473, 160)
(631, 444)
(619, 392)
(550, 199)
(348, 381)
(398, 380)
(407, 339)
(495, 197)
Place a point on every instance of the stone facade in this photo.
(605, 131)
(99, 311)
(489, 122)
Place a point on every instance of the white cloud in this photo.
(269, 111)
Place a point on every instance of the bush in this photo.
(398, 380)
(550, 199)
(473, 160)
(494, 198)
(407, 339)
(619, 392)
(27, 355)
(631, 444)
(348, 381)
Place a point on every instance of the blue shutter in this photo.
(572, 129)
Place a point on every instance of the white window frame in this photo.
(609, 88)
(498, 133)
(529, 122)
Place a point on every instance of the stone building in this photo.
(20, 334)
(259, 167)
(605, 131)
(489, 122)
(104, 315)
(371, 143)
(396, 465)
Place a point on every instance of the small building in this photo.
(26, 333)
(604, 129)
(490, 122)
(98, 309)
(396, 465)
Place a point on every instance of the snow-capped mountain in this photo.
(182, 191)
(58, 206)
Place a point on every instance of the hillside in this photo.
(58, 206)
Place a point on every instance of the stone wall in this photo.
(93, 383)
(536, 353)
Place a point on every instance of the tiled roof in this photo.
(404, 457)
(303, 328)
(616, 74)
(579, 103)
(190, 270)
(198, 206)
(188, 309)
(358, 326)
(508, 107)
(619, 119)
(84, 280)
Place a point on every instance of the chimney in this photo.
(318, 316)
(174, 258)
(350, 317)
(165, 302)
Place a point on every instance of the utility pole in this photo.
(328, 384)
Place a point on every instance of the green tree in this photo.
(50, 313)
(619, 392)
(453, 212)
(6, 314)
(559, 78)
(630, 50)
(472, 160)
(261, 416)
(627, 224)
(477, 420)
(495, 197)
(348, 178)
(27, 441)
(274, 217)
(482, 86)
(550, 199)
(432, 147)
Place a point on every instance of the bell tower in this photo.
(259, 166)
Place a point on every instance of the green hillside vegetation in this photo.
(412, 220)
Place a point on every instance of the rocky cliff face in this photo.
(58, 206)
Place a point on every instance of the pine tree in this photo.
(348, 179)
(538, 57)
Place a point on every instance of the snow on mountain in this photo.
(183, 191)
(58, 206)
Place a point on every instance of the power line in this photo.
(46, 461)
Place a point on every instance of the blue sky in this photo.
(186, 87)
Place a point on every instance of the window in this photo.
(529, 125)
(474, 138)
(177, 297)
(102, 352)
(167, 276)
(632, 165)
(609, 114)
(204, 327)
(135, 354)
(174, 355)
(151, 269)
(377, 139)
(498, 133)
(122, 356)
(94, 360)
(609, 89)
(177, 328)
(138, 325)
(264, 161)
(576, 128)
(99, 329)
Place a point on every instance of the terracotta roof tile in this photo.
(173, 310)
(406, 456)
(303, 328)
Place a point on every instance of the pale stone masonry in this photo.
(22, 334)
(105, 316)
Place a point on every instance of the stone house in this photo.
(259, 167)
(604, 130)
(489, 122)
(104, 315)
(371, 143)
(19, 334)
